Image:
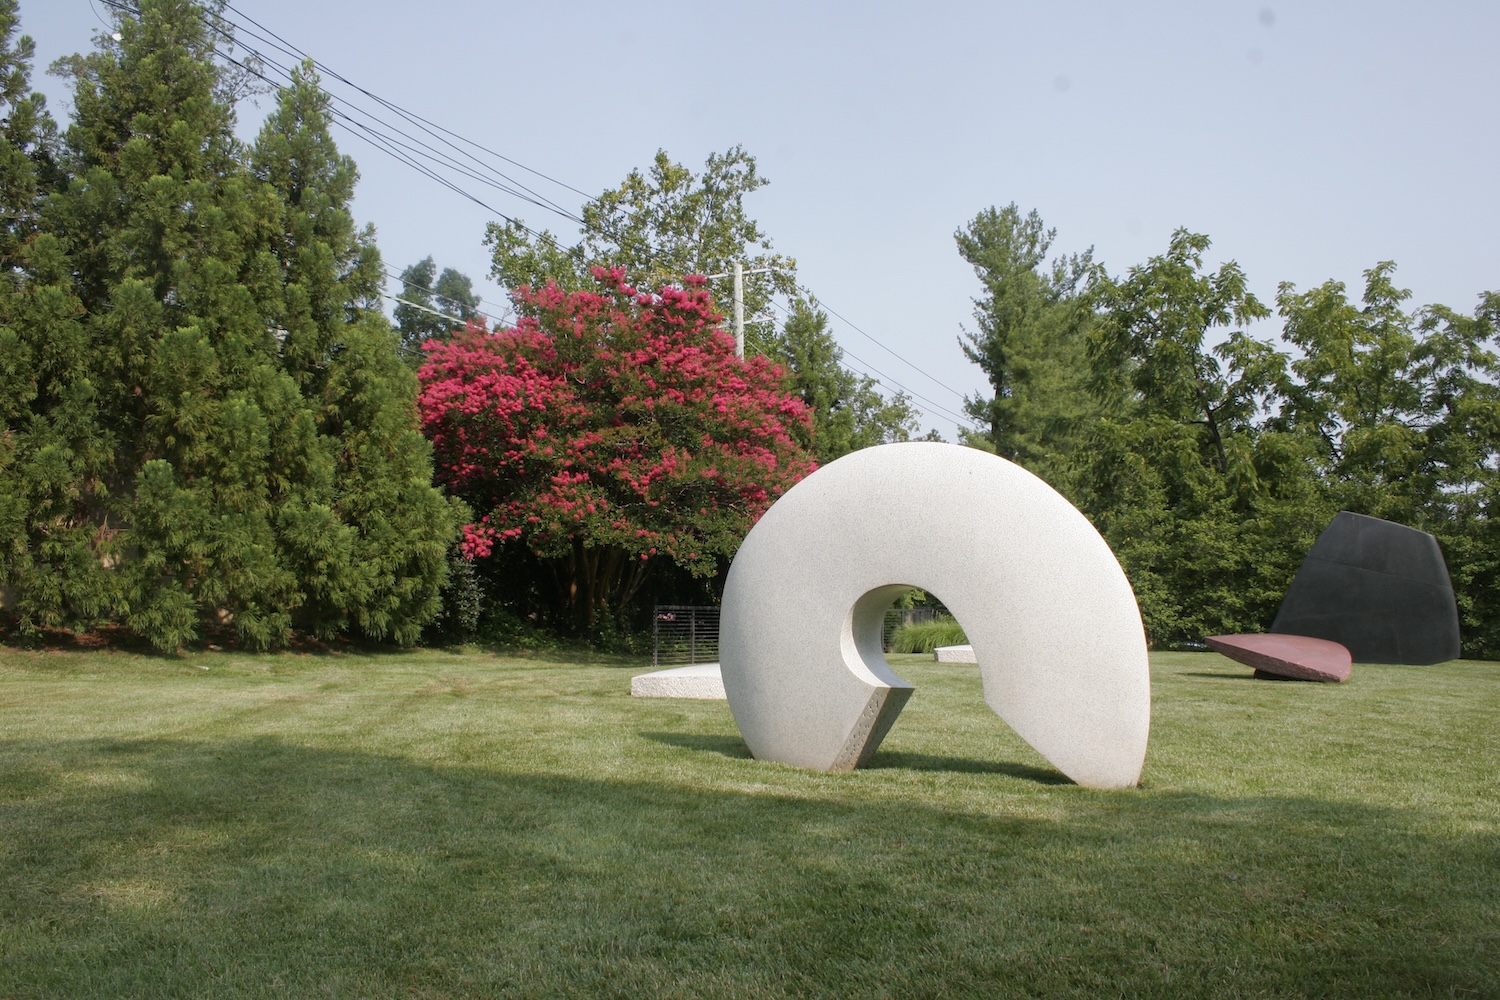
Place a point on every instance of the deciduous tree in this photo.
(1155, 334)
(609, 431)
(1208, 507)
(659, 226)
(1403, 410)
(433, 304)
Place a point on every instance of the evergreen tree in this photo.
(198, 447)
(27, 143)
(168, 233)
(372, 549)
(1032, 321)
(26, 149)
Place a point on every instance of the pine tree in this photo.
(52, 446)
(200, 446)
(373, 553)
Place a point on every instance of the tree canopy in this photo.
(608, 432)
(668, 223)
(208, 424)
(1211, 458)
(432, 304)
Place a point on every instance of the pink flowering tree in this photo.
(608, 432)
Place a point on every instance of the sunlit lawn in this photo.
(443, 824)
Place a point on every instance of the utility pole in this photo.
(739, 273)
(739, 309)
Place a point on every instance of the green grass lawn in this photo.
(451, 825)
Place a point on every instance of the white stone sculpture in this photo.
(1052, 619)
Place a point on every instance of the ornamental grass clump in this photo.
(924, 637)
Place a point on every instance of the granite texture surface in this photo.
(1052, 619)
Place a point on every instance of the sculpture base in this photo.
(700, 680)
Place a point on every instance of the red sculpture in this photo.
(1298, 657)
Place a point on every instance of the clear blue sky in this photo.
(1309, 141)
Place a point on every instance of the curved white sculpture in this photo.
(1052, 619)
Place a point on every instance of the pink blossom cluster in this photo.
(618, 418)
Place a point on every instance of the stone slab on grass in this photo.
(954, 654)
(699, 680)
(1292, 657)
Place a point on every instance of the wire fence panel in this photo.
(683, 634)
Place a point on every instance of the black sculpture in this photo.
(1377, 587)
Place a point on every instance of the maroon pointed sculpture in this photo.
(1296, 657)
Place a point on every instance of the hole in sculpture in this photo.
(863, 639)
(864, 654)
(863, 648)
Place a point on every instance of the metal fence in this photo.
(686, 633)
(683, 634)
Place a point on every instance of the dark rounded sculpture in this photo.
(1379, 588)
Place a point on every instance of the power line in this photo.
(99, 17)
(887, 381)
(421, 156)
(850, 323)
(531, 197)
(411, 116)
(505, 183)
(406, 152)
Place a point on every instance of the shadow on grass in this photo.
(1217, 677)
(734, 747)
(885, 759)
(262, 868)
(726, 746)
